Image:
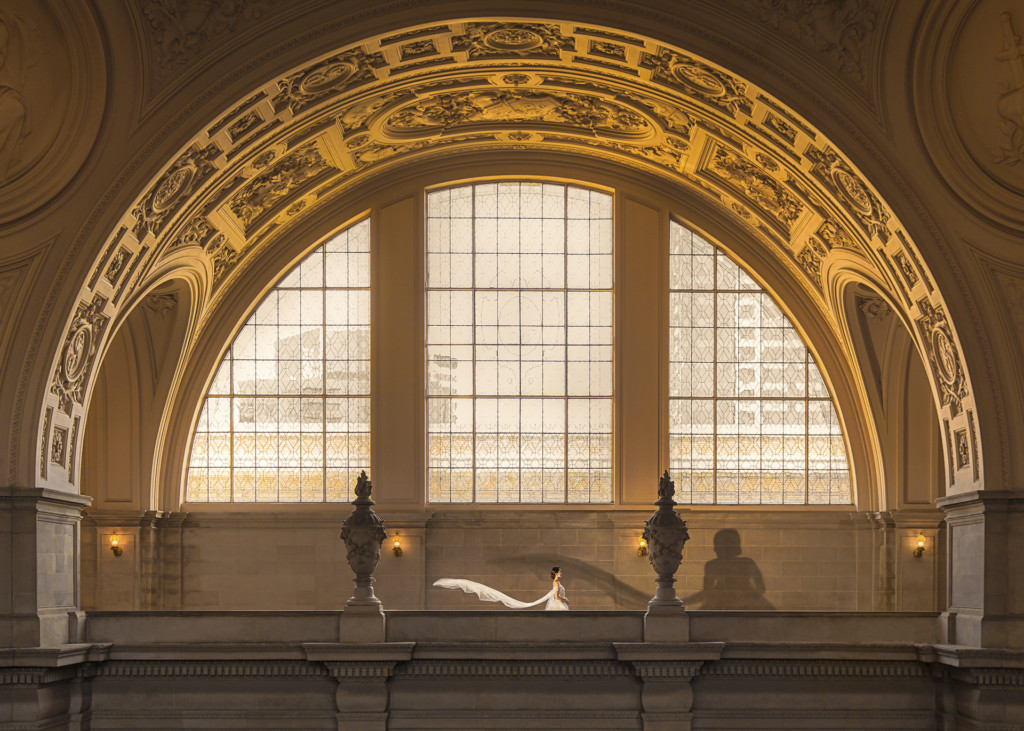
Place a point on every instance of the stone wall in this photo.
(805, 560)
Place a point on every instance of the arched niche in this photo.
(123, 429)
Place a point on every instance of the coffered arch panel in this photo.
(312, 137)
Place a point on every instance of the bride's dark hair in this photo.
(554, 571)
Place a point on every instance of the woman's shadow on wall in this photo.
(731, 581)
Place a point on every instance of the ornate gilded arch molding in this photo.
(313, 134)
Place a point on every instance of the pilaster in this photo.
(39, 565)
(985, 571)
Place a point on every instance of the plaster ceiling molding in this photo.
(846, 33)
(182, 31)
(969, 95)
(52, 97)
(305, 139)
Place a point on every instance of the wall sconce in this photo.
(641, 550)
(115, 545)
(397, 547)
(919, 551)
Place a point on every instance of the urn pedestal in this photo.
(363, 532)
(666, 535)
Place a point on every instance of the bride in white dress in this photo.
(555, 599)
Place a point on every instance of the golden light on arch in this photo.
(311, 135)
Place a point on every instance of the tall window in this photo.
(519, 344)
(751, 420)
(287, 416)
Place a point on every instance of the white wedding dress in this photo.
(555, 599)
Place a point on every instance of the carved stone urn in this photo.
(363, 532)
(666, 534)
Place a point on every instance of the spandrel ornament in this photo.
(363, 532)
(666, 534)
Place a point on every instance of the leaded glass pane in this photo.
(519, 344)
(750, 417)
(287, 415)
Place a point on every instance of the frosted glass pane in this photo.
(769, 434)
(287, 382)
(519, 339)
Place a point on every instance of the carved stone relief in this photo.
(843, 31)
(182, 30)
(72, 447)
(874, 308)
(78, 353)
(116, 266)
(512, 40)
(761, 189)
(942, 356)
(222, 256)
(244, 124)
(59, 446)
(161, 304)
(906, 269)
(446, 111)
(327, 78)
(269, 188)
(810, 259)
(181, 180)
(44, 440)
(196, 233)
(835, 236)
(46, 130)
(963, 450)
(832, 171)
(1010, 104)
(780, 127)
(699, 80)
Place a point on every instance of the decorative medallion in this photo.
(184, 177)
(268, 188)
(1010, 104)
(943, 356)
(327, 78)
(512, 40)
(843, 182)
(699, 80)
(78, 353)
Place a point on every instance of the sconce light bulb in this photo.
(397, 549)
(919, 551)
(642, 548)
(115, 547)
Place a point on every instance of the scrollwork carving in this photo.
(810, 259)
(445, 111)
(268, 188)
(174, 187)
(196, 233)
(906, 269)
(79, 351)
(182, 30)
(116, 266)
(222, 256)
(840, 30)
(758, 186)
(963, 450)
(512, 40)
(840, 179)
(59, 446)
(943, 356)
(327, 78)
(699, 80)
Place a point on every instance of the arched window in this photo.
(519, 344)
(750, 417)
(287, 416)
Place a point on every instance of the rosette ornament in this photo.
(363, 532)
(666, 534)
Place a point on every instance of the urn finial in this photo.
(666, 534)
(363, 532)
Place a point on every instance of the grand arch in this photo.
(866, 147)
(531, 86)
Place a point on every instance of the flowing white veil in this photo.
(488, 594)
